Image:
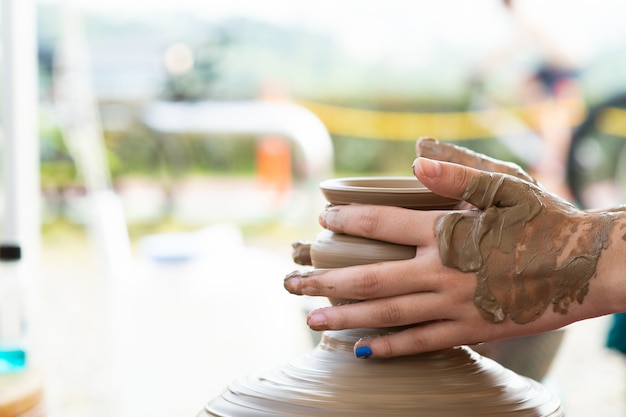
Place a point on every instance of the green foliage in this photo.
(359, 156)
(174, 156)
(57, 169)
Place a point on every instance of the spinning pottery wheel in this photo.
(331, 381)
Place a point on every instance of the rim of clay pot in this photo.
(399, 191)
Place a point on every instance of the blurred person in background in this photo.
(550, 80)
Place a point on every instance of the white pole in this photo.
(20, 126)
(78, 115)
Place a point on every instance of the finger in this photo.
(466, 329)
(426, 337)
(380, 313)
(386, 223)
(443, 178)
(433, 149)
(365, 282)
(481, 189)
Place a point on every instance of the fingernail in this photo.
(363, 352)
(322, 219)
(291, 283)
(429, 146)
(294, 280)
(427, 167)
(316, 319)
(298, 282)
(327, 216)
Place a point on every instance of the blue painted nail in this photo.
(363, 352)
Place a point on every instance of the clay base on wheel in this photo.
(331, 382)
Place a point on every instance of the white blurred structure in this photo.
(79, 118)
(20, 141)
(250, 117)
(289, 120)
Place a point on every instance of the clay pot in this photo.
(331, 381)
(530, 356)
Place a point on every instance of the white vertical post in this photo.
(79, 118)
(19, 123)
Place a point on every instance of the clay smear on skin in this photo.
(528, 250)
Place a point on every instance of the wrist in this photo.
(608, 288)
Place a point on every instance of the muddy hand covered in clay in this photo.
(529, 249)
(516, 253)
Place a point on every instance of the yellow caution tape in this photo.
(465, 125)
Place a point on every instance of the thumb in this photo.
(444, 178)
(479, 188)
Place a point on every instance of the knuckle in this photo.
(409, 343)
(313, 286)
(462, 177)
(368, 285)
(337, 319)
(369, 221)
(389, 314)
(384, 348)
(419, 343)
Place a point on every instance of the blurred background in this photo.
(180, 143)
